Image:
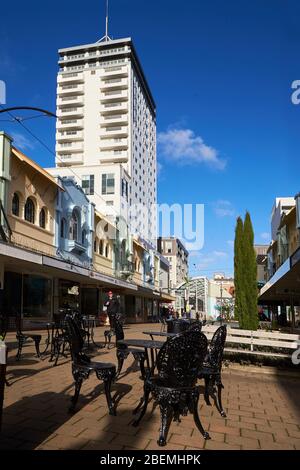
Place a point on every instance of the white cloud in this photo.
(202, 261)
(21, 142)
(265, 236)
(220, 254)
(230, 243)
(159, 168)
(224, 208)
(185, 147)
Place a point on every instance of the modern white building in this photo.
(281, 206)
(106, 130)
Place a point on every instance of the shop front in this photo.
(28, 295)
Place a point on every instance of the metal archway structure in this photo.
(14, 108)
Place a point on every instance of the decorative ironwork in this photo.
(82, 366)
(175, 388)
(211, 370)
(123, 350)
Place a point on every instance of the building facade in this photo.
(106, 130)
(177, 255)
(280, 295)
(58, 252)
(261, 263)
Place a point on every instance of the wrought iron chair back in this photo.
(195, 326)
(75, 340)
(177, 326)
(216, 348)
(117, 325)
(181, 358)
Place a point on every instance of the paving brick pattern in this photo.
(263, 410)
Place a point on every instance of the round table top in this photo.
(142, 343)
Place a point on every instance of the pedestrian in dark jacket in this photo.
(113, 307)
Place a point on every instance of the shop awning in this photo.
(137, 243)
(284, 285)
(57, 267)
(103, 217)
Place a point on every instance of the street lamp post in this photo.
(221, 309)
(196, 303)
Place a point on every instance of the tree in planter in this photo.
(245, 275)
(250, 276)
(239, 304)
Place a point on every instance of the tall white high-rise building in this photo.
(106, 129)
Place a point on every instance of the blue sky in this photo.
(221, 75)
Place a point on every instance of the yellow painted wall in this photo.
(28, 182)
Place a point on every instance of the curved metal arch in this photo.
(48, 113)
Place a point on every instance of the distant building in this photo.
(281, 206)
(220, 296)
(193, 296)
(177, 255)
(106, 129)
(281, 293)
(261, 262)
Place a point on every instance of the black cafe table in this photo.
(148, 345)
(159, 333)
(51, 328)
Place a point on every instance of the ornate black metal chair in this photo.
(177, 326)
(195, 326)
(123, 351)
(175, 388)
(82, 365)
(108, 334)
(211, 370)
(59, 337)
(15, 323)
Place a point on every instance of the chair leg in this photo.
(214, 390)
(145, 401)
(166, 415)
(20, 346)
(140, 357)
(37, 346)
(107, 388)
(74, 399)
(206, 390)
(57, 353)
(121, 356)
(196, 416)
(220, 406)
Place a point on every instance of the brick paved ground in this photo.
(263, 410)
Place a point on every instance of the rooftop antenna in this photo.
(106, 36)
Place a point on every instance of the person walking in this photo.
(112, 307)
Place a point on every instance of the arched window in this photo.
(15, 205)
(107, 250)
(101, 247)
(83, 237)
(74, 227)
(63, 228)
(29, 210)
(42, 220)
